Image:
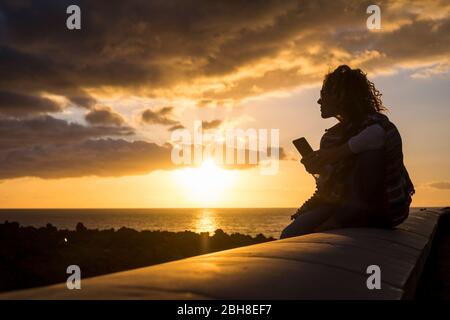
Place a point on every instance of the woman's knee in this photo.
(296, 228)
(292, 230)
(307, 222)
(287, 232)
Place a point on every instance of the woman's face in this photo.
(328, 104)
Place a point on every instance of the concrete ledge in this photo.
(328, 265)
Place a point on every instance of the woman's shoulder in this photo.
(382, 120)
(378, 118)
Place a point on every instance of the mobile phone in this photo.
(302, 146)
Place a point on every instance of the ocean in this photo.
(252, 221)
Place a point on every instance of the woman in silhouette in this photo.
(361, 180)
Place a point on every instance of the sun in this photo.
(207, 183)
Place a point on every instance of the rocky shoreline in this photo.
(31, 257)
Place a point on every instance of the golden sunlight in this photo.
(207, 183)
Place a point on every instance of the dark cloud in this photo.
(47, 147)
(104, 116)
(34, 73)
(104, 157)
(211, 124)
(176, 127)
(16, 134)
(154, 45)
(441, 185)
(161, 116)
(100, 157)
(19, 105)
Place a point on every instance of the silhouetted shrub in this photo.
(80, 227)
(32, 256)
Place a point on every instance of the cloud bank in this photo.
(214, 53)
(209, 51)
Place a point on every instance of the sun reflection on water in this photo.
(206, 222)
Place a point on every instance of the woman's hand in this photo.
(311, 162)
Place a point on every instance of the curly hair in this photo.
(357, 95)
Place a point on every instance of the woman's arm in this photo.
(371, 138)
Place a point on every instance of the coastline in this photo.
(34, 257)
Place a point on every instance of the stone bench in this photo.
(328, 265)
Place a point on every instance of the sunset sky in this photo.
(86, 115)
